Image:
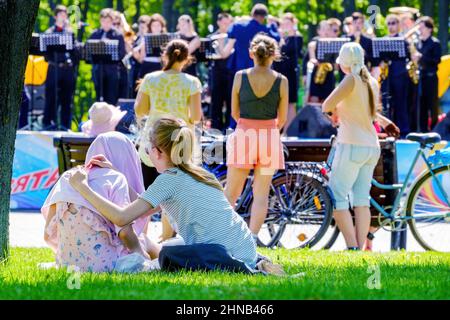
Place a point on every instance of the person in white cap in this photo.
(354, 106)
(103, 117)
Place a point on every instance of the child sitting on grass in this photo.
(78, 234)
(192, 197)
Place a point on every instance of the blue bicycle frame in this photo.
(402, 187)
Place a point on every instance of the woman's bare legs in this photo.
(362, 225)
(344, 222)
(236, 178)
(261, 188)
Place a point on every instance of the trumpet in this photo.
(322, 70)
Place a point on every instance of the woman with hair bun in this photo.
(168, 92)
(259, 104)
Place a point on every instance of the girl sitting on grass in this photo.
(191, 196)
(78, 234)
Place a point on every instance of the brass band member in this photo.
(348, 27)
(322, 79)
(407, 24)
(220, 79)
(137, 52)
(186, 29)
(110, 75)
(152, 62)
(428, 56)
(65, 82)
(395, 86)
(121, 26)
(291, 50)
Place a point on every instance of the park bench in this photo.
(72, 150)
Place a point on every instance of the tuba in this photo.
(322, 71)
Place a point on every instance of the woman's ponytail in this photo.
(365, 77)
(177, 141)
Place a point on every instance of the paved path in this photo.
(26, 230)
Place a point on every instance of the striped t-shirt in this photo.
(202, 214)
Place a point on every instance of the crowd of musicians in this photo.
(409, 86)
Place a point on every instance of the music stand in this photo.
(54, 43)
(155, 42)
(328, 48)
(104, 51)
(389, 49)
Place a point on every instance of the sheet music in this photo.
(327, 46)
(56, 39)
(389, 45)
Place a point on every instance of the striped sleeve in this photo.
(161, 190)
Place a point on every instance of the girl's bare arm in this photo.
(117, 215)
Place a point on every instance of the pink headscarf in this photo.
(121, 152)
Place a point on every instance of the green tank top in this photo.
(258, 108)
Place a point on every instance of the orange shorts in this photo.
(255, 144)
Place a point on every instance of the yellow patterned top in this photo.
(169, 95)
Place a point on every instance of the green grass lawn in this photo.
(329, 275)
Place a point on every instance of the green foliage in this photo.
(328, 275)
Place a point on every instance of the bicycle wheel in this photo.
(433, 232)
(300, 212)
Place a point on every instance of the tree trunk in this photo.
(138, 11)
(266, 2)
(349, 7)
(119, 5)
(84, 12)
(170, 14)
(443, 25)
(16, 26)
(427, 8)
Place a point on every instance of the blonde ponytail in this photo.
(177, 141)
(365, 77)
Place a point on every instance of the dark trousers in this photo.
(110, 85)
(428, 101)
(220, 96)
(24, 109)
(124, 91)
(64, 83)
(395, 92)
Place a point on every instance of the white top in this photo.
(356, 123)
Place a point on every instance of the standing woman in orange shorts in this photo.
(259, 104)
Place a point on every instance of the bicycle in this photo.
(427, 200)
(298, 197)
